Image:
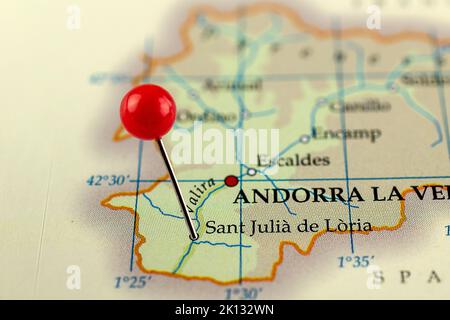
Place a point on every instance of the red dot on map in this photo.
(231, 181)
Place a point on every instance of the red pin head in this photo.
(148, 112)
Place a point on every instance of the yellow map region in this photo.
(263, 67)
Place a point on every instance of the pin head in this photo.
(148, 112)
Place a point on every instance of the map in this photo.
(350, 200)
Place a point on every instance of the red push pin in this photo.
(148, 113)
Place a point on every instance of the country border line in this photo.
(320, 32)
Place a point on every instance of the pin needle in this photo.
(193, 233)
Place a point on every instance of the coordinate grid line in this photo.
(136, 201)
(340, 86)
(296, 76)
(301, 179)
(239, 76)
(148, 48)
